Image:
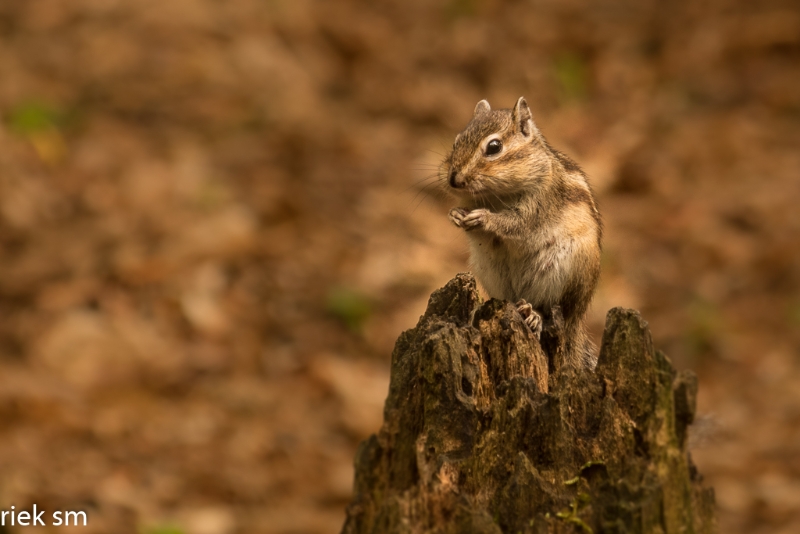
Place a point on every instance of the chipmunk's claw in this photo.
(531, 317)
(457, 216)
(475, 219)
(469, 220)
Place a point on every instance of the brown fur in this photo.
(531, 219)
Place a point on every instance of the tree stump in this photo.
(486, 431)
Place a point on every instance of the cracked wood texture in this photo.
(485, 431)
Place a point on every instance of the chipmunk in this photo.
(531, 220)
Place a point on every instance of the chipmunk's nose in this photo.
(456, 180)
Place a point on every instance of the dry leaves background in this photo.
(213, 227)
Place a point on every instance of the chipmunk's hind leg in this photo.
(532, 317)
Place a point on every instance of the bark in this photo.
(486, 431)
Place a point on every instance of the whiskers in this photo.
(433, 181)
(431, 185)
(440, 154)
(435, 184)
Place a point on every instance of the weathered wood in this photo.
(486, 432)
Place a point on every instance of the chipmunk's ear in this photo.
(523, 120)
(482, 107)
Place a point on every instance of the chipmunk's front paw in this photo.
(532, 318)
(475, 219)
(457, 216)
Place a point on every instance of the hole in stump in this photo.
(466, 386)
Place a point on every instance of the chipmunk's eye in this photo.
(494, 146)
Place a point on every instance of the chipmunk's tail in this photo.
(581, 350)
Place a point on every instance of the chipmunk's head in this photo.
(499, 153)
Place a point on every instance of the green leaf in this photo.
(571, 75)
(31, 117)
(349, 306)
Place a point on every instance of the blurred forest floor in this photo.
(214, 225)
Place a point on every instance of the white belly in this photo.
(536, 271)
